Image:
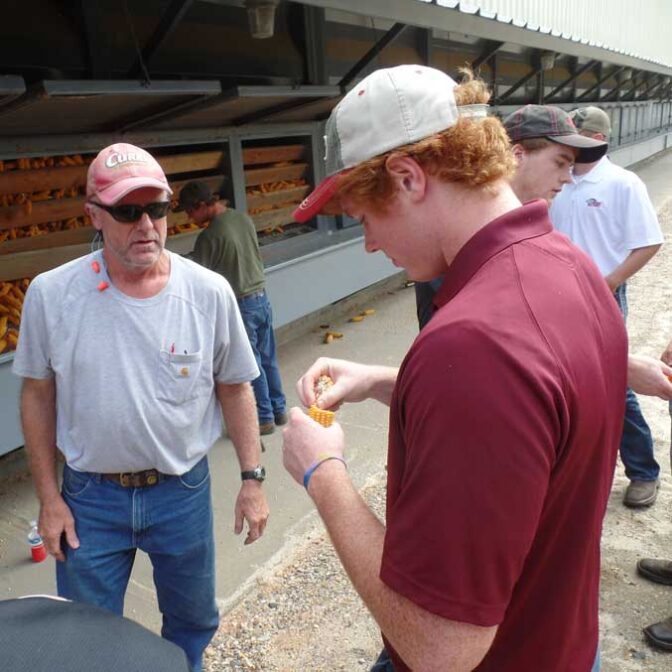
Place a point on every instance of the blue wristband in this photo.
(320, 460)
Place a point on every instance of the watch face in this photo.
(256, 474)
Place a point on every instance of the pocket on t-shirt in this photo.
(179, 377)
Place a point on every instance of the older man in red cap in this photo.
(126, 375)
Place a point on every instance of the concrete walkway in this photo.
(382, 338)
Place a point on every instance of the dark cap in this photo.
(554, 124)
(41, 634)
(193, 193)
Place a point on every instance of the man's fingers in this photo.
(71, 535)
(238, 524)
(54, 548)
(253, 534)
(305, 390)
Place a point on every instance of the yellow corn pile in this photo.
(26, 200)
(11, 303)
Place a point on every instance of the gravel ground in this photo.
(304, 615)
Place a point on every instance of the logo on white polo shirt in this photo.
(593, 203)
(118, 158)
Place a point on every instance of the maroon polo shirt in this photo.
(504, 428)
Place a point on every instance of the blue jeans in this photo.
(258, 319)
(384, 664)
(636, 441)
(172, 523)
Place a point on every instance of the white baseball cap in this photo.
(390, 108)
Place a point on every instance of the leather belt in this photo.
(136, 479)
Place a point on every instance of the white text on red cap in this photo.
(118, 158)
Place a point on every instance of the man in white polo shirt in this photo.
(607, 212)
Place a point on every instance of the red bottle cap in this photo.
(38, 553)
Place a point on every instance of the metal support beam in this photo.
(265, 113)
(614, 93)
(235, 156)
(165, 28)
(638, 81)
(431, 15)
(574, 68)
(539, 96)
(648, 93)
(598, 84)
(91, 18)
(493, 75)
(491, 48)
(425, 45)
(314, 29)
(574, 76)
(390, 36)
(521, 82)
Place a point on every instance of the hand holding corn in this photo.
(352, 382)
(325, 418)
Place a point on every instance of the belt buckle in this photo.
(125, 479)
(138, 479)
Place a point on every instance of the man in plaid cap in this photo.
(506, 412)
(607, 212)
(545, 145)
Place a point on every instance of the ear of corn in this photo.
(325, 418)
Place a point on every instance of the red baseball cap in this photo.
(314, 203)
(120, 169)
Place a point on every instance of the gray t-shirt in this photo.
(135, 378)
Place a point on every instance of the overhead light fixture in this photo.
(261, 15)
(547, 60)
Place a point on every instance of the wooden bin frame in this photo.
(27, 257)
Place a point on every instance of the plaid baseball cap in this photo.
(592, 119)
(554, 124)
(120, 169)
(390, 108)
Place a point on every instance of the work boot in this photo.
(640, 494)
(266, 428)
(660, 634)
(658, 571)
(281, 418)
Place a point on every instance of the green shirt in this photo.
(229, 247)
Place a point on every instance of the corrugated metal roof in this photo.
(637, 29)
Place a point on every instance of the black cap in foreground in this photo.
(42, 634)
(554, 124)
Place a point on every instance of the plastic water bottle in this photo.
(37, 549)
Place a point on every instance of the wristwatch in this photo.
(256, 474)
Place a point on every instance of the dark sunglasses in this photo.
(130, 213)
